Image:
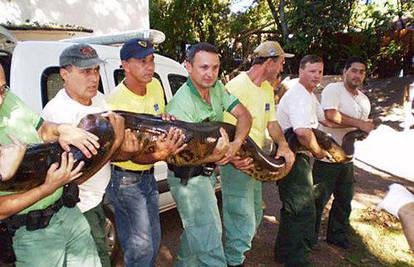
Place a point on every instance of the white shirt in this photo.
(335, 96)
(63, 109)
(299, 108)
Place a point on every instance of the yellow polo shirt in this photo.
(258, 100)
(150, 103)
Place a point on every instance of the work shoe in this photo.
(345, 244)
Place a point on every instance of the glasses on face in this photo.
(4, 89)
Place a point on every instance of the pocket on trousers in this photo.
(129, 179)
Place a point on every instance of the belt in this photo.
(139, 172)
(186, 172)
(39, 219)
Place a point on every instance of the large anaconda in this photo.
(201, 139)
(338, 153)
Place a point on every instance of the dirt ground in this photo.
(371, 185)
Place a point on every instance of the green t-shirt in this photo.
(18, 120)
(188, 105)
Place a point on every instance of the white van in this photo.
(33, 73)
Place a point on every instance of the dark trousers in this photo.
(96, 220)
(336, 179)
(297, 215)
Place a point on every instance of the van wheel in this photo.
(111, 239)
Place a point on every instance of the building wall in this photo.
(102, 16)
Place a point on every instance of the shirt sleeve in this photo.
(34, 118)
(319, 112)
(299, 112)
(161, 97)
(178, 110)
(330, 98)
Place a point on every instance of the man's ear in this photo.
(63, 73)
(125, 65)
(188, 66)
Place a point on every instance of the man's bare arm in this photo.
(243, 125)
(277, 136)
(57, 176)
(307, 138)
(339, 118)
(67, 134)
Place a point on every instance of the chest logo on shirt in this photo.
(156, 108)
(267, 107)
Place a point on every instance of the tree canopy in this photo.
(333, 29)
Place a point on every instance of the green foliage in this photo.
(333, 29)
(188, 21)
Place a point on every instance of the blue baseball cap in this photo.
(136, 48)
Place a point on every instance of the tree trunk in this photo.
(283, 21)
(279, 21)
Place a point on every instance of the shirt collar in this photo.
(194, 90)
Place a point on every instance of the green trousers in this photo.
(96, 219)
(200, 242)
(242, 212)
(66, 242)
(297, 215)
(336, 179)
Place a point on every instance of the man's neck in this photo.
(136, 87)
(256, 75)
(351, 90)
(204, 92)
(82, 101)
(308, 88)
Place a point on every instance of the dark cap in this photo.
(79, 55)
(136, 48)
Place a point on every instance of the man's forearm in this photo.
(307, 138)
(244, 123)
(330, 124)
(242, 130)
(49, 131)
(14, 203)
(276, 133)
(341, 119)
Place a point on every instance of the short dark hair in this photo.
(261, 60)
(349, 61)
(194, 49)
(311, 59)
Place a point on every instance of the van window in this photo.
(176, 81)
(51, 83)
